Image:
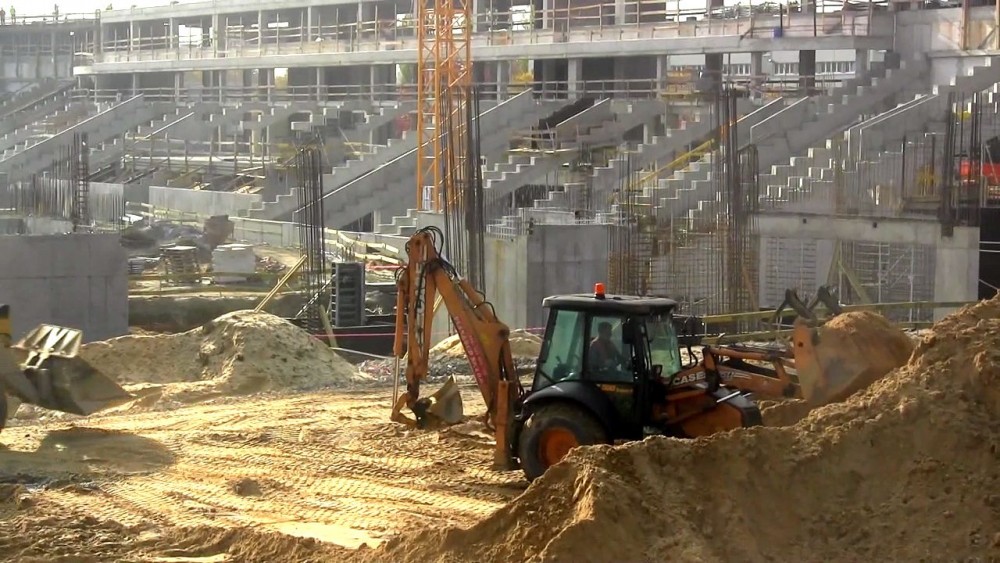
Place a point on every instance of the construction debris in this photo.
(269, 265)
(902, 471)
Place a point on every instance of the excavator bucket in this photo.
(834, 364)
(446, 404)
(43, 369)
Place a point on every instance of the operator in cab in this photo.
(604, 354)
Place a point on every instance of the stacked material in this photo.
(233, 259)
(180, 263)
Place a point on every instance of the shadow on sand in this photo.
(82, 453)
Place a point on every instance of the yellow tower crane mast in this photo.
(444, 83)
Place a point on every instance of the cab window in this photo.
(608, 357)
(561, 358)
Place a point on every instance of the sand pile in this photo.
(523, 345)
(906, 470)
(40, 538)
(239, 352)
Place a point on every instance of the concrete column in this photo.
(662, 72)
(217, 34)
(711, 80)
(260, 29)
(757, 78)
(503, 79)
(546, 14)
(98, 39)
(309, 23)
(619, 12)
(178, 82)
(956, 267)
(862, 59)
(618, 66)
(756, 64)
(574, 78)
(319, 84)
(807, 72)
(172, 32)
(135, 83)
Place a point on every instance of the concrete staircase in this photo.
(371, 118)
(30, 104)
(872, 145)
(100, 127)
(673, 196)
(390, 189)
(819, 118)
(604, 179)
(285, 204)
(811, 121)
(40, 128)
(616, 119)
(912, 117)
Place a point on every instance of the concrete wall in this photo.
(562, 259)
(199, 201)
(78, 281)
(955, 263)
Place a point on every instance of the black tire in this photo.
(569, 417)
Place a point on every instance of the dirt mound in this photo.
(243, 544)
(41, 538)
(237, 353)
(905, 470)
(523, 345)
(783, 413)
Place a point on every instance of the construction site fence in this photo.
(645, 88)
(391, 29)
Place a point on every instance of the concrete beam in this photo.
(875, 229)
(544, 47)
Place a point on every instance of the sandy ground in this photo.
(326, 465)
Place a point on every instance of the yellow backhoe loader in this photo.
(43, 369)
(609, 369)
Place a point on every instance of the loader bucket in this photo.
(833, 365)
(52, 376)
(444, 407)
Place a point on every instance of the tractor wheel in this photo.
(551, 432)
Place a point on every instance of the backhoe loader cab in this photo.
(604, 374)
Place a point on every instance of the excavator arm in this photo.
(427, 276)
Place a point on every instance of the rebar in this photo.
(312, 240)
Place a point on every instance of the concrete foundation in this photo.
(78, 281)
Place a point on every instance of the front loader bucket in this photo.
(833, 365)
(52, 376)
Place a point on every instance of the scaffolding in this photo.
(879, 272)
